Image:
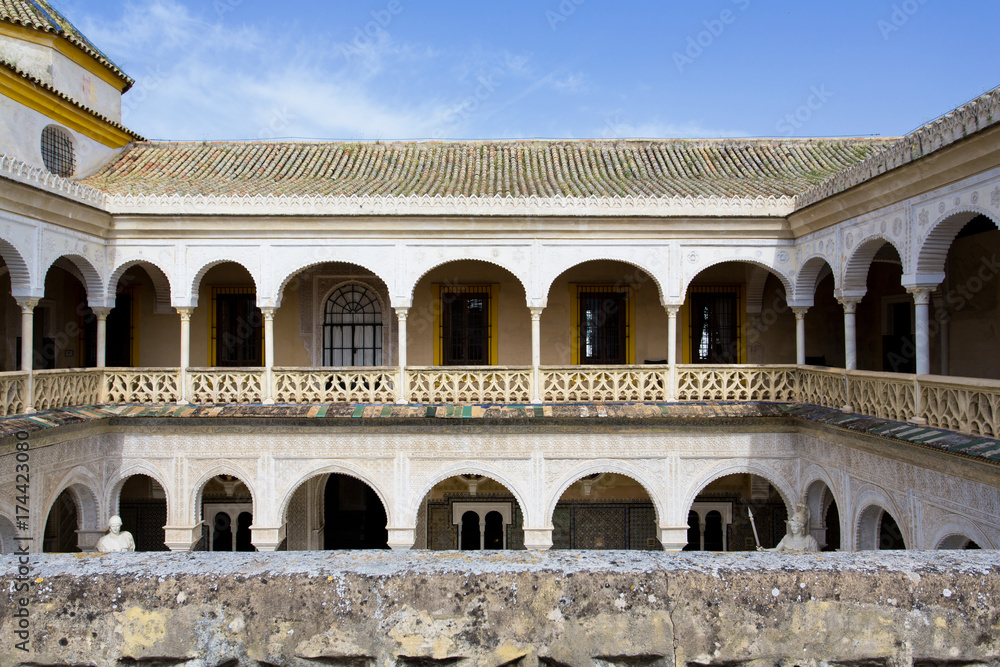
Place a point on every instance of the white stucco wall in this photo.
(21, 134)
(64, 75)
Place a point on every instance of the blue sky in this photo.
(485, 69)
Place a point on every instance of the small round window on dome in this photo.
(57, 151)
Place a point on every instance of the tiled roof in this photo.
(39, 15)
(638, 168)
(46, 87)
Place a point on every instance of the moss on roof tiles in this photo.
(723, 168)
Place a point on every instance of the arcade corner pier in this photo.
(488, 344)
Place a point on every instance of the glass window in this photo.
(715, 325)
(57, 152)
(465, 325)
(603, 326)
(352, 328)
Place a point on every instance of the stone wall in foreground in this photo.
(367, 609)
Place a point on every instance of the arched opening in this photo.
(228, 315)
(877, 529)
(966, 311)
(885, 316)
(889, 534)
(469, 313)
(62, 525)
(354, 515)
(65, 328)
(824, 324)
(605, 511)
(335, 314)
(469, 512)
(142, 506)
(736, 313)
(335, 511)
(824, 516)
(10, 312)
(723, 509)
(224, 499)
(142, 329)
(958, 542)
(603, 313)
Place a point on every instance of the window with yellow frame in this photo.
(123, 328)
(465, 318)
(236, 328)
(715, 318)
(602, 321)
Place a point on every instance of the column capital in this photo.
(268, 312)
(185, 313)
(921, 294)
(101, 313)
(850, 304)
(800, 311)
(672, 310)
(27, 305)
(536, 313)
(401, 313)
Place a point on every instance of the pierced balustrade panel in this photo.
(972, 406)
(12, 393)
(226, 385)
(584, 384)
(736, 383)
(469, 384)
(67, 388)
(142, 385)
(821, 386)
(335, 385)
(882, 395)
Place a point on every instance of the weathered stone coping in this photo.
(508, 608)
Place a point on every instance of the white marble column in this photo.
(536, 355)
(402, 394)
(850, 334)
(268, 355)
(102, 335)
(800, 334)
(672, 350)
(185, 314)
(28, 351)
(921, 327)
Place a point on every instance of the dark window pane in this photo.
(715, 328)
(603, 327)
(465, 323)
(352, 328)
(238, 325)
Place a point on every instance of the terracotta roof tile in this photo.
(39, 15)
(669, 167)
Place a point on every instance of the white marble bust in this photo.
(116, 539)
(796, 539)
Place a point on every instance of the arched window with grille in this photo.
(352, 328)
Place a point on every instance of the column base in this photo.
(402, 539)
(267, 401)
(402, 401)
(917, 421)
(537, 401)
(183, 401)
(847, 408)
(673, 538)
(182, 538)
(537, 539)
(267, 538)
(30, 411)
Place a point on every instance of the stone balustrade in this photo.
(962, 404)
